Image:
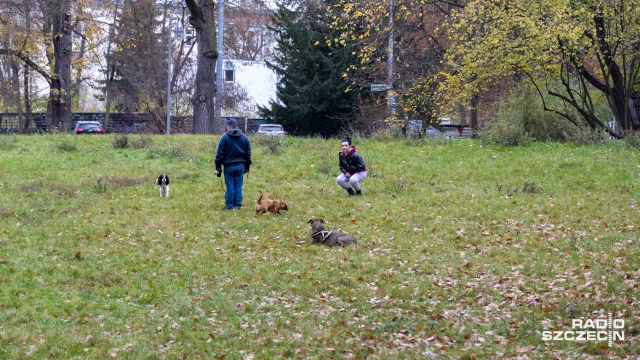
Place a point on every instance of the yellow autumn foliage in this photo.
(491, 38)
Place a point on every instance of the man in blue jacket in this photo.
(234, 152)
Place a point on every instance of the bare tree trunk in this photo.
(110, 72)
(203, 20)
(25, 126)
(635, 111)
(15, 86)
(615, 88)
(108, 96)
(77, 82)
(474, 114)
(60, 96)
(463, 115)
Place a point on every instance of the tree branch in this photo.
(544, 101)
(592, 80)
(25, 58)
(451, 3)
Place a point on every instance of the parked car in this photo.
(408, 127)
(271, 130)
(88, 127)
(414, 127)
(432, 131)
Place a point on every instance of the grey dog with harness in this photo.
(321, 236)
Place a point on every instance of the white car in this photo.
(271, 130)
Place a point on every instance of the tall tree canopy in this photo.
(581, 52)
(139, 56)
(50, 39)
(407, 29)
(313, 96)
(55, 20)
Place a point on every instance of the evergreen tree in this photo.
(311, 91)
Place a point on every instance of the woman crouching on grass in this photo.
(352, 168)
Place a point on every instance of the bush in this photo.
(272, 143)
(123, 141)
(7, 142)
(542, 125)
(522, 119)
(633, 139)
(141, 141)
(386, 135)
(175, 152)
(396, 131)
(67, 144)
(505, 131)
(120, 141)
(100, 186)
(588, 136)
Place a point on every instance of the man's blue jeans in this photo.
(233, 176)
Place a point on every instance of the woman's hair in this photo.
(347, 139)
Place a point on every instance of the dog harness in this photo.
(324, 233)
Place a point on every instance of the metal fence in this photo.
(119, 123)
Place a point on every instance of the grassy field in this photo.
(464, 250)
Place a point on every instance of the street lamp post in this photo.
(217, 110)
(169, 75)
(391, 96)
(171, 10)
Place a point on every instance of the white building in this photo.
(257, 79)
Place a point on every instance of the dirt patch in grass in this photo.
(30, 187)
(125, 181)
(52, 187)
(64, 190)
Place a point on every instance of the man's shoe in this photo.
(358, 192)
(238, 207)
(350, 191)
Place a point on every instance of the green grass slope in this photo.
(464, 251)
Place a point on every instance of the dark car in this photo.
(88, 127)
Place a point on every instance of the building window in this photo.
(229, 76)
(178, 32)
(190, 35)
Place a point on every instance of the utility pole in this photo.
(171, 9)
(169, 76)
(219, 75)
(391, 99)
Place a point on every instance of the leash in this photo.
(244, 185)
(221, 186)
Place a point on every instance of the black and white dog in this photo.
(163, 182)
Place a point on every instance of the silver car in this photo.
(271, 130)
(433, 132)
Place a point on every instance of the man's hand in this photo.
(218, 172)
(246, 169)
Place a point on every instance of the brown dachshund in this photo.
(274, 206)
